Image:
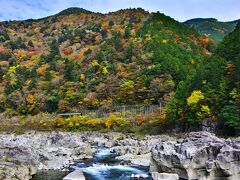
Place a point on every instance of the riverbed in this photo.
(53, 155)
(103, 166)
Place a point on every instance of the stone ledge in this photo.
(75, 175)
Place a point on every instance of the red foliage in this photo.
(67, 51)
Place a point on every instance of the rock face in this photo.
(22, 155)
(200, 155)
(138, 151)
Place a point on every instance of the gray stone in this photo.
(22, 155)
(164, 176)
(143, 159)
(201, 155)
(75, 175)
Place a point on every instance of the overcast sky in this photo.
(181, 10)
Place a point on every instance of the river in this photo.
(103, 166)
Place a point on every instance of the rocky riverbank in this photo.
(197, 155)
(22, 155)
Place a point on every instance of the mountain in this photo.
(79, 59)
(74, 10)
(212, 27)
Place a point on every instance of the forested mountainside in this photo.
(211, 27)
(79, 59)
(215, 88)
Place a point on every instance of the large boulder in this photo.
(17, 163)
(22, 155)
(200, 155)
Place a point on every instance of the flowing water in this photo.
(103, 166)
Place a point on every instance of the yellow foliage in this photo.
(105, 25)
(34, 59)
(105, 71)
(94, 122)
(58, 121)
(37, 30)
(164, 41)
(31, 102)
(195, 97)
(76, 122)
(12, 70)
(77, 39)
(11, 74)
(82, 76)
(148, 37)
(95, 63)
(204, 112)
(113, 121)
(85, 99)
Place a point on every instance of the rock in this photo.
(139, 176)
(20, 172)
(164, 176)
(142, 160)
(201, 155)
(110, 144)
(75, 175)
(22, 155)
(17, 162)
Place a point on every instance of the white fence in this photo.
(125, 111)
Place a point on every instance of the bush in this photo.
(78, 123)
(113, 122)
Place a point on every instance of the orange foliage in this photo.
(28, 64)
(41, 70)
(140, 120)
(176, 38)
(123, 74)
(203, 41)
(192, 37)
(20, 55)
(77, 56)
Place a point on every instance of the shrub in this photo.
(77, 123)
(113, 122)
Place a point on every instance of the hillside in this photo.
(212, 27)
(79, 59)
(213, 93)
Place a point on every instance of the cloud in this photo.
(178, 9)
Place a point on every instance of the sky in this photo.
(181, 10)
